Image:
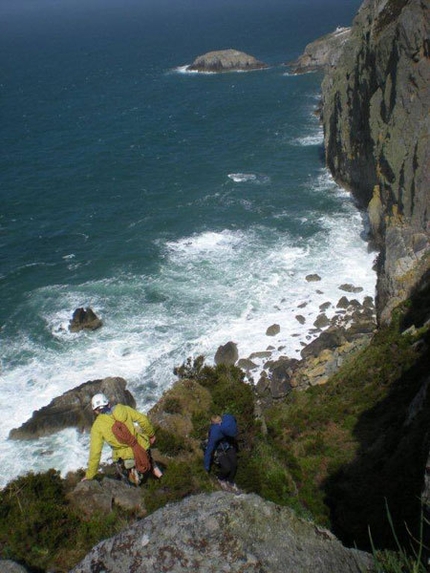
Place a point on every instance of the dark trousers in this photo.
(227, 465)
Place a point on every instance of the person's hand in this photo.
(152, 440)
(85, 479)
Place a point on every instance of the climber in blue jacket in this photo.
(221, 448)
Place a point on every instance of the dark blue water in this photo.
(186, 209)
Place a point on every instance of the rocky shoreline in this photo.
(333, 341)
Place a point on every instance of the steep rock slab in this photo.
(210, 533)
(226, 61)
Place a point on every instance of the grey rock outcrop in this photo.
(224, 532)
(273, 330)
(226, 61)
(227, 354)
(377, 128)
(84, 319)
(72, 409)
(313, 278)
(277, 382)
(322, 53)
(100, 497)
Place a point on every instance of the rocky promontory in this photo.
(226, 61)
(322, 53)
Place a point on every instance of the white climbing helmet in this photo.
(98, 401)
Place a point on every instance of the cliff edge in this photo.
(376, 128)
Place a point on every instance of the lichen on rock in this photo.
(244, 532)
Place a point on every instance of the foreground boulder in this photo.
(72, 409)
(226, 61)
(222, 531)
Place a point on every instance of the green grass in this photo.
(39, 529)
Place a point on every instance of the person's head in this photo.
(99, 402)
(216, 419)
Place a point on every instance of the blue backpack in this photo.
(229, 426)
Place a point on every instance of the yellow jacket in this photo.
(101, 432)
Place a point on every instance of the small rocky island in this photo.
(226, 61)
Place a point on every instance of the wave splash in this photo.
(249, 178)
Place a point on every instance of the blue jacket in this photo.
(216, 437)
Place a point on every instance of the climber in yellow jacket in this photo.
(139, 426)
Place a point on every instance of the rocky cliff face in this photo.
(376, 125)
(322, 53)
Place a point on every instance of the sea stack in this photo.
(226, 61)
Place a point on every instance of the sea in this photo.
(185, 209)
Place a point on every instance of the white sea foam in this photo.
(315, 136)
(241, 177)
(185, 70)
(249, 177)
(312, 139)
(293, 75)
(206, 242)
